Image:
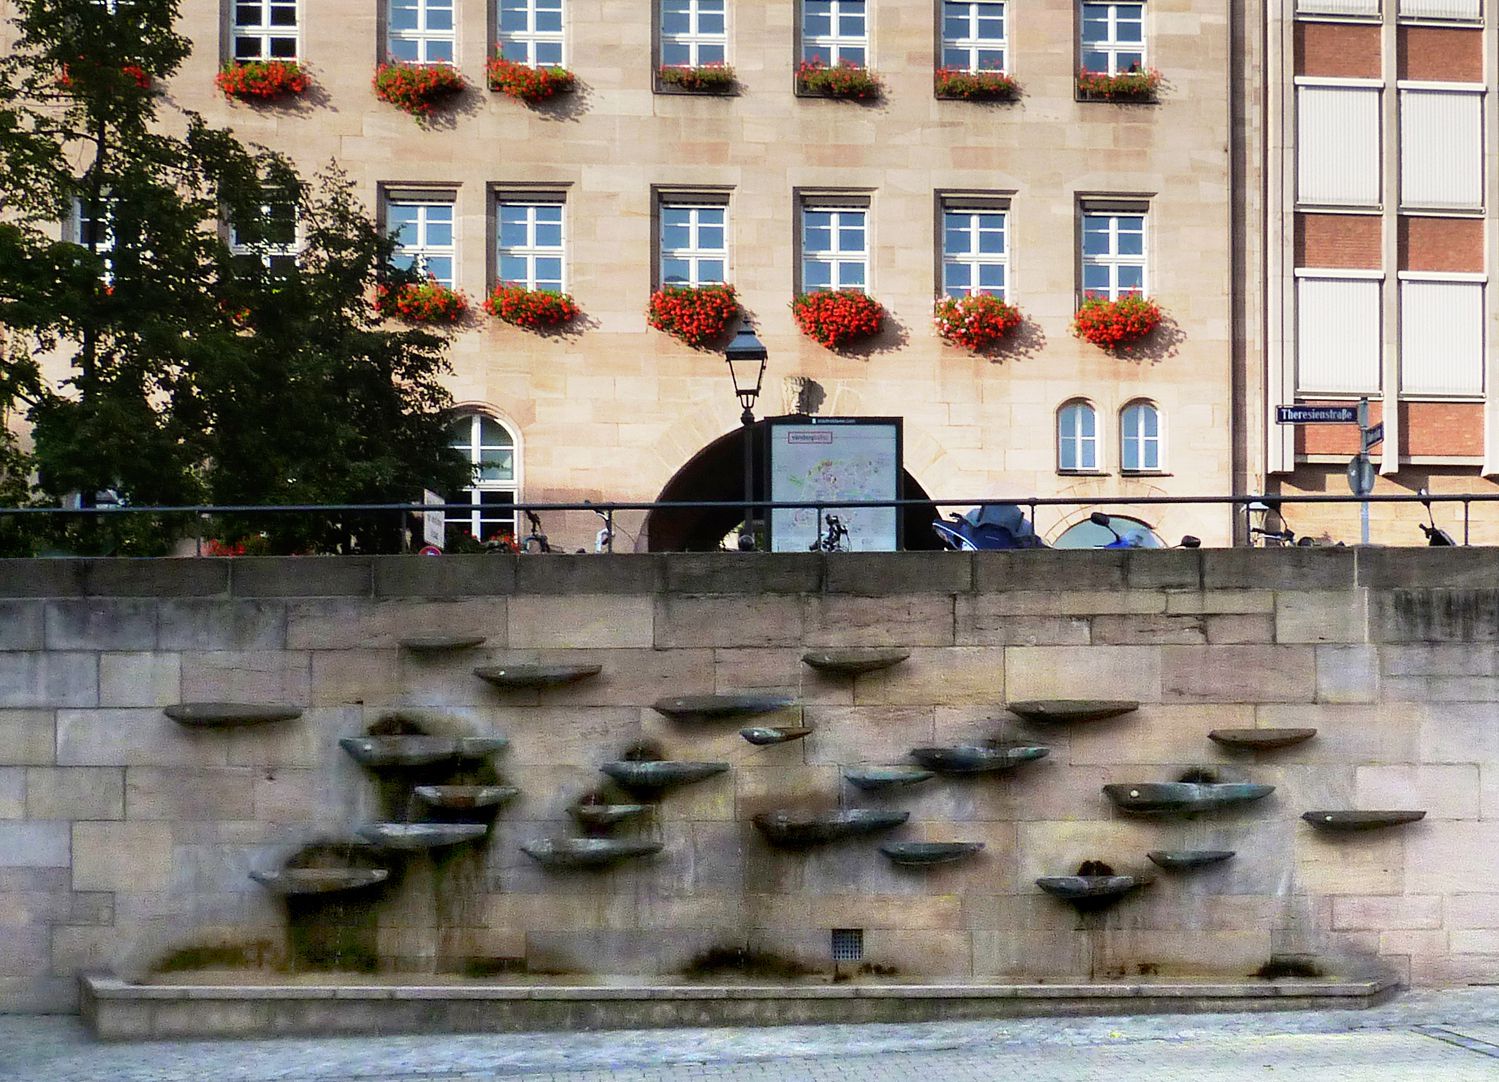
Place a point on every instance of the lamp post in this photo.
(746, 355)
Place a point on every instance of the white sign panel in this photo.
(432, 525)
(835, 459)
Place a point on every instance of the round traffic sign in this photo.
(1361, 475)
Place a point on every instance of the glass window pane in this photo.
(1152, 422)
(549, 234)
(439, 19)
(513, 268)
(675, 54)
(818, 52)
(403, 50)
(710, 271)
(991, 29)
(1129, 61)
(1095, 61)
(991, 59)
(953, 57)
(675, 271)
(710, 22)
(1095, 278)
(548, 54)
(818, 238)
(402, 17)
(1131, 279)
(675, 236)
(283, 48)
(439, 52)
(816, 275)
(493, 434)
(1095, 236)
(816, 20)
(957, 277)
(549, 21)
(283, 16)
(851, 238)
(851, 54)
(439, 234)
(992, 278)
(513, 19)
(512, 234)
(710, 238)
(439, 267)
(955, 22)
(712, 54)
(958, 238)
(548, 272)
(851, 275)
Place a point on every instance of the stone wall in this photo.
(126, 840)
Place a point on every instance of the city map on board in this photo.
(835, 459)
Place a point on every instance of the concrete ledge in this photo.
(117, 1010)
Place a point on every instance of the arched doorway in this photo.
(717, 473)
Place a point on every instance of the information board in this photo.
(832, 459)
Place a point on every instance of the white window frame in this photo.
(531, 251)
(835, 43)
(695, 39)
(834, 256)
(264, 30)
(695, 253)
(1112, 46)
(475, 517)
(1082, 445)
(422, 36)
(268, 254)
(422, 248)
(105, 245)
(975, 259)
(1113, 259)
(973, 42)
(1146, 444)
(531, 37)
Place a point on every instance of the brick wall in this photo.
(1442, 428)
(1334, 439)
(1351, 241)
(1441, 244)
(1440, 54)
(1337, 50)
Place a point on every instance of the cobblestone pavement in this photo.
(1450, 1036)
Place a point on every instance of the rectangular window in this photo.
(694, 243)
(1077, 438)
(425, 241)
(835, 32)
(973, 35)
(835, 247)
(530, 242)
(1441, 338)
(94, 232)
(1113, 254)
(264, 30)
(694, 33)
(1337, 334)
(421, 31)
(975, 251)
(1465, 10)
(274, 243)
(1441, 149)
(1337, 146)
(531, 32)
(1113, 37)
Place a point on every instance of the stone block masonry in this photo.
(126, 840)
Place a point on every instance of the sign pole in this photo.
(1363, 454)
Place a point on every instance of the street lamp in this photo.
(746, 355)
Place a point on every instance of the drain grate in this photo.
(848, 944)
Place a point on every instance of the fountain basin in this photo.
(1355, 820)
(853, 662)
(1185, 860)
(466, 796)
(1260, 739)
(978, 758)
(925, 854)
(795, 830)
(301, 881)
(229, 715)
(721, 706)
(763, 736)
(605, 815)
(440, 643)
(660, 774)
(886, 777)
(1091, 892)
(414, 751)
(586, 852)
(1062, 711)
(422, 835)
(1182, 797)
(518, 677)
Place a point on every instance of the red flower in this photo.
(705, 79)
(837, 319)
(262, 80)
(697, 315)
(528, 84)
(421, 302)
(137, 75)
(976, 85)
(975, 322)
(533, 309)
(847, 80)
(1116, 325)
(133, 74)
(1139, 84)
(417, 88)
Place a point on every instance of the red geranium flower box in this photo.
(847, 80)
(1116, 325)
(528, 84)
(533, 309)
(706, 79)
(1140, 84)
(421, 302)
(417, 89)
(975, 322)
(838, 319)
(262, 80)
(976, 85)
(698, 315)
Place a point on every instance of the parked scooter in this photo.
(1004, 526)
(1435, 535)
(1132, 541)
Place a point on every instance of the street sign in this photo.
(1361, 475)
(1373, 436)
(432, 525)
(1316, 415)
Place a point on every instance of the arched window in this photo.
(1077, 438)
(490, 449)
(1139, 438)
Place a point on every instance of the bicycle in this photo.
(833, 540)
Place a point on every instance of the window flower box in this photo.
(531, 309)
(421, 302)
(130, 75)
(1138, 85)
(262, 80)
(838, 319)
(848, 81)
(418, 89)
(525, 83)
(962, 85)
(1116, 326)
(977, 322)
(707, 79)
(698, 315)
